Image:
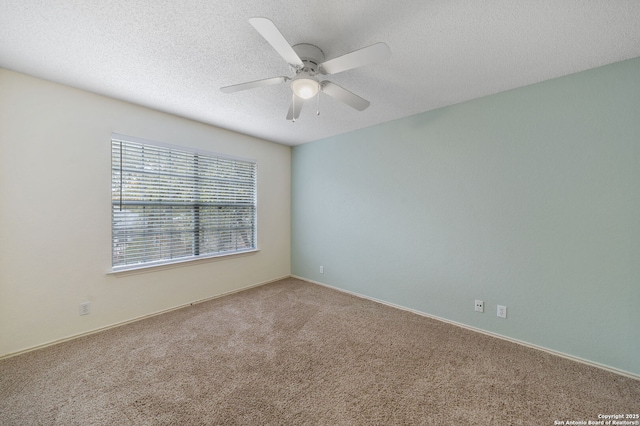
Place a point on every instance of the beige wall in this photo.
(55, 214)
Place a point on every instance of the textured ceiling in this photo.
(174, 55)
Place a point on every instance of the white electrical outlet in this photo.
(479, 305)
(85, 308)
(322, 269)
(502, 311)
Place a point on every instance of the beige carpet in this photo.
(291, 352)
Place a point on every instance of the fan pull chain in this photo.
(293, 108)
(318, 104)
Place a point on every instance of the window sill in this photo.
(142, 269)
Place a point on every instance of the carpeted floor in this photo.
(291, 352)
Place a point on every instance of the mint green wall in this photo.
(528, 198)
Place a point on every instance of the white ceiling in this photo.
(174, 55)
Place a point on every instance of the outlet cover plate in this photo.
(85, 308)
(479, 305)
(502, 311)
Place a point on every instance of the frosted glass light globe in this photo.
(305, 88)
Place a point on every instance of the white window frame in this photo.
(227, 195)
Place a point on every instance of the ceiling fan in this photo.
(307, 62)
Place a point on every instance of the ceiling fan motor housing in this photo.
(311, 56)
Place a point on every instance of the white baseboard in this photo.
(362, 296)
(118, 324)
(479, 330)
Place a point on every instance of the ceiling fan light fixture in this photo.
(307, 61)
(305, 87)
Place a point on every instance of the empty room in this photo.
(338, 213)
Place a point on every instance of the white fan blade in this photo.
(252, 84)
(295, 108)
(365, 56)
(270, 32)
(345, 96)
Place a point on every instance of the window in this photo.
(171, 204)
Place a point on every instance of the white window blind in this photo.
(170, 204)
